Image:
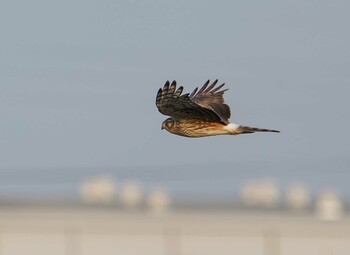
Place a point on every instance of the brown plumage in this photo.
(201, 113)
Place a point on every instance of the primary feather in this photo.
(206, 104)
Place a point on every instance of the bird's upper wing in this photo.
(206, 104)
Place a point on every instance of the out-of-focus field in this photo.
(102, 217)
(84, 230)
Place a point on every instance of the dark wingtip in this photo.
(159, 95)
(194, 92)
(204, 87)
(180, 89)
(167, 84)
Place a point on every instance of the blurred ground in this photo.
(81, 230)
(86, 212)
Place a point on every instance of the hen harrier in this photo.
(199, 114)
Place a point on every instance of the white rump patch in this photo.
(231, 127)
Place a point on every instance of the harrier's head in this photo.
(168, 124)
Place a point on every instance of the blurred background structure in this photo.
(85, 168)
(116, 216)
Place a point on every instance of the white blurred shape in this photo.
(297, 197)
(249, 194)
(329, 206)
(264, 193)
(158, 201)
(131, 194)
(98, 189)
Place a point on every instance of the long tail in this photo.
(248, 130)
(234, 129)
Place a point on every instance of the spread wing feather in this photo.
(211, 98)
(206, 104)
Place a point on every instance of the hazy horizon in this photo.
(79, 81)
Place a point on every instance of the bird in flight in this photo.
(199, 114)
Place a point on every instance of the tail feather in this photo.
(248, 130)
(235, 129)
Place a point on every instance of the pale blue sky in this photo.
(78, 81)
